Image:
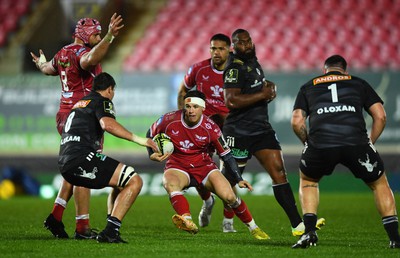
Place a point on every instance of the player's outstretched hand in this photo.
(39, 60)
(115, 25)
(245, 184)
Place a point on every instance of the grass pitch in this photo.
(353, 229)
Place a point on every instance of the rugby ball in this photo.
(164, 143)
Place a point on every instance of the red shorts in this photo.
(61, 118)
(197, 172)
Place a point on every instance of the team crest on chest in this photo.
(217, 90)
(186, 145)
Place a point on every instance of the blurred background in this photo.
(159, 42)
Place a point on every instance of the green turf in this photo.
(353, 229)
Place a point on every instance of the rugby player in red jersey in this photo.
(76, 64)
(190, 164)
(207, 76)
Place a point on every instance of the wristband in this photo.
(139, 140)
(109, 38)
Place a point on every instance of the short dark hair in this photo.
(221, 37)
(195, 93)
(335, 61)
(102, 81)
(238, 31)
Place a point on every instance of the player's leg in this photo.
(271, 160)
(111, 200)
(208, 200)
(54, 221)
(82, 201)
(206, 208)
(218, 184)
(174, 182)
(309, 198)
(130, 184)
(385, 203)
(229, 214)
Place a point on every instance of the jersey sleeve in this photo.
(105, 109)
(218, 141)
(371, 97)
(190, 77)
(233, 76)
(301, 101)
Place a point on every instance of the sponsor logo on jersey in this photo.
(109, 107)
(81, 104)
(256, 83)
(238, 153)
(67, 94)
(336, 109)
(205, 78)
(200, 138)
(175, 132)
(232, 76)
(70, 138)
(63, 62)
(80, 51)
(331, 78)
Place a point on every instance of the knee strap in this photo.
(127, 172)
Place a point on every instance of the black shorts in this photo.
(362, 160)
(93, 171)
(243, 147)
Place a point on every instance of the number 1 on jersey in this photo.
(333, 89)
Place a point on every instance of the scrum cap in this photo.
(85, 28)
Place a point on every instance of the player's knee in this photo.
(129, 176)
(234, 203)
(278, 176)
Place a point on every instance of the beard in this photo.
(247, 55)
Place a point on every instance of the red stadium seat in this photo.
(289, 35)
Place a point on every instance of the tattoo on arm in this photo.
(303, 129)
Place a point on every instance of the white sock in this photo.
(83, 216)
(61, 202)
(251, 225)
(228, 220)
(209, 202)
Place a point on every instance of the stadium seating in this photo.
(289, 34)
(11, 12)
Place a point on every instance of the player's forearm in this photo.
(97, 53)
(111, 126)
(239, 100)
(47, 69)
(181, 94)
(299, 126)
(378, 115)
(232, 166)
(377, 128)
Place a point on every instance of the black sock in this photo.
(284, 195)
(310, 219)
(113, 225)
(391, 225)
